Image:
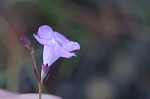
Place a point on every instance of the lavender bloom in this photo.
(55, 45)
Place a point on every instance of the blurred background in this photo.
(114, 60)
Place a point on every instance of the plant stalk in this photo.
(40, 91)
(36, 73)
(35, 68)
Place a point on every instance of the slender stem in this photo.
(35, 68)
(40, 91)
(36, 73)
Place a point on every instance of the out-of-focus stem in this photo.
(35, 68)
(26, 42)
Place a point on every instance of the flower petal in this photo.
(63, 53)
(43, 41)
(61, 39)
(45, 32)
(71, 46)
(49, 55)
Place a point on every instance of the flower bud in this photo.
(25, 41)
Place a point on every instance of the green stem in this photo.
(40, 91)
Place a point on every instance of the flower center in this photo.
(54, 42)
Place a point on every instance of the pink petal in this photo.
(71, 46)
(45, 32)
(60, 38)
(63, 53)
(49, 55)
(43, 41)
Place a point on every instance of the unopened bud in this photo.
(25, 41)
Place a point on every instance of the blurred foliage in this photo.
(113, 62)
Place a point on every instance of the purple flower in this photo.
(55, 45)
